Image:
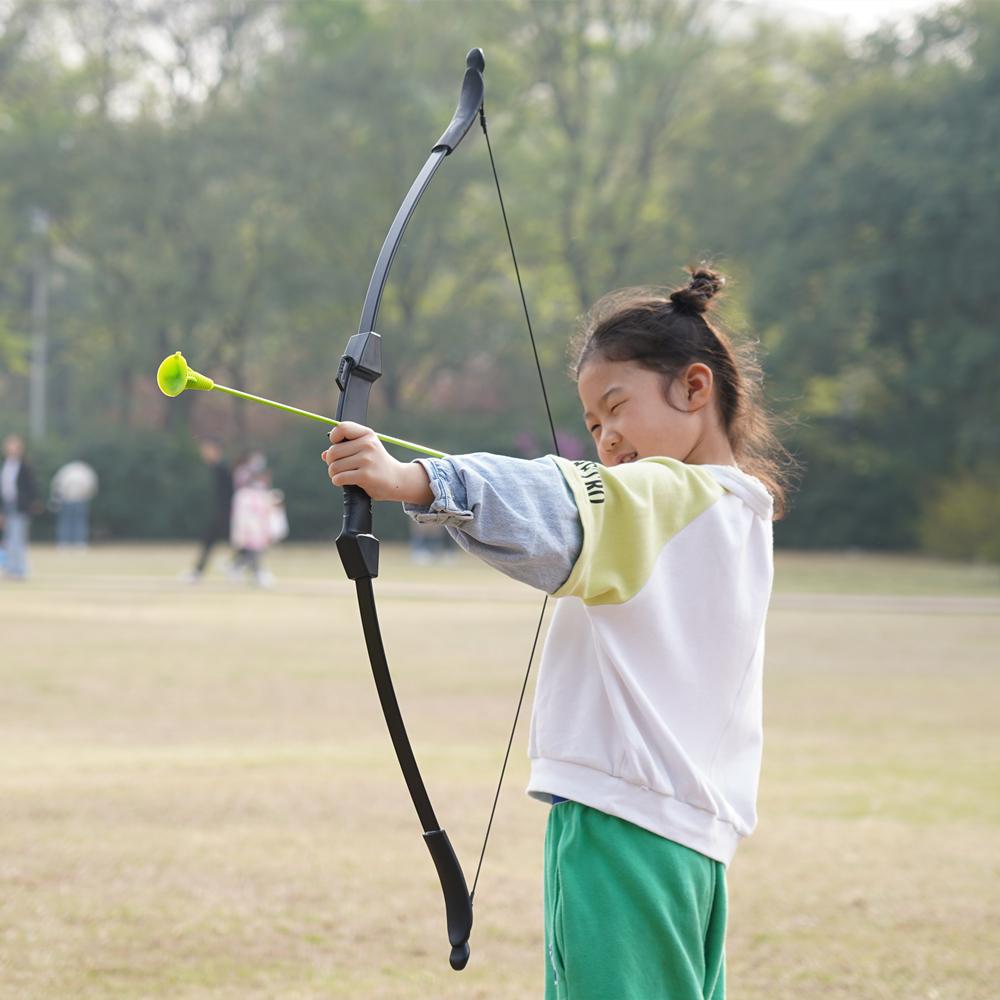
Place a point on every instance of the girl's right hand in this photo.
(356, 457)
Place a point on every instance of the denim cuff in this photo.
(449, 506)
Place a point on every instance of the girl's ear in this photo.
(697, 382)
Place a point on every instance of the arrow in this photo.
(174, 376)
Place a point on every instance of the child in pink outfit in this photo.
(253, 526)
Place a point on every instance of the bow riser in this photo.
(359, 367)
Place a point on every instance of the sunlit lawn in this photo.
(198, 797)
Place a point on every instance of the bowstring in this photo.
(555, 445)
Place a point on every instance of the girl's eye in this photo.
(617, 405)
(594, 428)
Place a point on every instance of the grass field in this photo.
(198, 798)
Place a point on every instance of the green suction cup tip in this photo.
(173, 376)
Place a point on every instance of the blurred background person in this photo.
(249, 465)
(246, 470)
(278, 517)
(19, 497)
(255, 525)
(217, 524)
(73, 487)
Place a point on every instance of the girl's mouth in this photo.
(629, 456)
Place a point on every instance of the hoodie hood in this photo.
(748, 488)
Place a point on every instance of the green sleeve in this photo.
(629, 513)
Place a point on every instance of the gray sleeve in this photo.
(519, 516)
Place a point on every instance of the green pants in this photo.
(629, 915)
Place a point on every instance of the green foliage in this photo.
(962, 518)
(152, 485)
(873, 274)
(855, 491)
(218, 178)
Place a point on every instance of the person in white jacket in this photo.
(646, 730)
(72, 489)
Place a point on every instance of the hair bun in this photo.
(698, 292)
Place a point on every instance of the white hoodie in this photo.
(648, 702)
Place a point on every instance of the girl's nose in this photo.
(610, 439)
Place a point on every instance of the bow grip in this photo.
(357, 546)
(359, 367)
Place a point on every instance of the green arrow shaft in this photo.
(399, 442)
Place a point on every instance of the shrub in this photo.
(962, 518)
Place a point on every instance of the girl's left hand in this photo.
(356, 457)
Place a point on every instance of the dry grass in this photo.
(199, 798)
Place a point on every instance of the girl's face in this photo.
(630, 415)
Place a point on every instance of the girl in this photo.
(253, 524)
(646, 728)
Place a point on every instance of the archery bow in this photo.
(360, 366)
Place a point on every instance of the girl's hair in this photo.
(667, 331)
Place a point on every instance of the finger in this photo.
(349, 476)
(345, 479)
(346, 450)
(347, 431)
(347, 463)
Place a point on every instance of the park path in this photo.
(507, 591)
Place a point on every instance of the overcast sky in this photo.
(858, 15)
